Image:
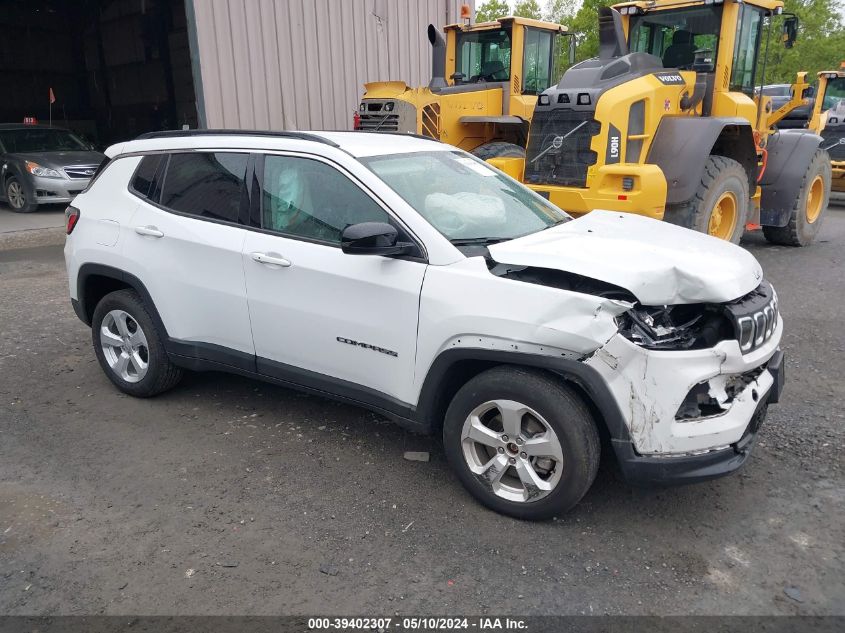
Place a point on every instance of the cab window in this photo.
(678, 36)
(538, 64)
(484, 55)
(745, 52)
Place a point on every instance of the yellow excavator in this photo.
(828, 119)
(665, 123)
(485, 81)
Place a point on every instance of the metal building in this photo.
(113, 69)
(302, 64)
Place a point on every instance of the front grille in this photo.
(375, 118)
(835, 137)
(558, 150)
(754, 317)
(80, 171)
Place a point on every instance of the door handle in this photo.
(151, 231)
(264, 258)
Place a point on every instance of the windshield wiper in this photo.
(557, 223)
(472, 241)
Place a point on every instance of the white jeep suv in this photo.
(406, 276)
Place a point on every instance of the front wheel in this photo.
(19, 200)
(720, 204)
(521, 442)
(807, 213)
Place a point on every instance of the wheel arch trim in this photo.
(89, 270)
(431, 405)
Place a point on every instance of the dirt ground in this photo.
(227, 496)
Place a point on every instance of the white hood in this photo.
(658, 262)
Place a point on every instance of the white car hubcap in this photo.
(124, 346)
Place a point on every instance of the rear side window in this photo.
(207, 185)
(144, 178)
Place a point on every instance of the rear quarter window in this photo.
(145, 175)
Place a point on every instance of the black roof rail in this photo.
(304, 136)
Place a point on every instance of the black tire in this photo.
(721, 176)
(161, 374)
(565, 413)
(801, 231)
(28, 205)
(498, 149)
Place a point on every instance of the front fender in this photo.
(682, 144)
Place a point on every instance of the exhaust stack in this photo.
(438, 59)
(612, 42)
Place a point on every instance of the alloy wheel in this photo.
(512, 450)
(124, 346)
(15, 194)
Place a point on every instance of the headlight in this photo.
(45, 172)
(694, 326)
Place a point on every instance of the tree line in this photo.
(820, 44)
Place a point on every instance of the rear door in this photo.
(185, 241)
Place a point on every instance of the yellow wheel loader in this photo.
(485, 81)
(828, 119)
(665, 123)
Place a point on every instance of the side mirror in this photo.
(790, 31)
(372, 238)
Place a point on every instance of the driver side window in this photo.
(309, 199)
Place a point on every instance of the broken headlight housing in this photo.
(692, 326)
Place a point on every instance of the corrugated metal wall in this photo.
(302, 64)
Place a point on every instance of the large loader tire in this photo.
(498, 149)
(720, 204)
(807, 213)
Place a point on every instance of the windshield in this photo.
(834, 96)
(676, 35)
(40, 140)
(484, 55)
(463, 197)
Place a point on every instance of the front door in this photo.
(322, 318)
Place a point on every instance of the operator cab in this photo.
(483, 54)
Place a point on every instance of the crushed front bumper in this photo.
(687, 469)
(649, 388)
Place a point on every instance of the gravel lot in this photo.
(227, 496)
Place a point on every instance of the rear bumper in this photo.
(646, 470)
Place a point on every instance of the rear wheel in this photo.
(19, 200)
(720, 204)
(521, 442)
(129, 347)
(808, 211)
(499, 149)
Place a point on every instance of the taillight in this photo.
(71, 218)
